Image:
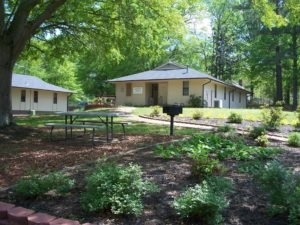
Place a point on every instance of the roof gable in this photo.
(170, 66)
(31, 82)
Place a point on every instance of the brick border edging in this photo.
(14, 215)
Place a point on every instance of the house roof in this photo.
(171, 71)
(31, 82)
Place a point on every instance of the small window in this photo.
(128, 89)
(185, 88)
(216, 91)
(23, 95)
(54, 98)
(225, 93)
(35, 97)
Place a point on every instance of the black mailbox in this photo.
(172, 110)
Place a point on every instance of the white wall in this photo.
(44, 104)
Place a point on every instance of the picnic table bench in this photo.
(122, 123)
(66, 126)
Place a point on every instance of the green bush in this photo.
(226, 128)
(297, 125)
(283, 189)
(197, 115)
(255, 132)
(234, 118)
(37, 185)
(116, 188)
(168, 151)
(262, 140)
(155, 111)
(205, 201)
(196, 101)
(294, 139)
(272, 117)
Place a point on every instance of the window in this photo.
(23, 95)
(185, 88)
(128, 89)
(35, 97)
(225, 93)
(216, 91)
(54, 98)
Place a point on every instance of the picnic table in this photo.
(86, 119)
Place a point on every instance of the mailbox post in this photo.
(172, 110)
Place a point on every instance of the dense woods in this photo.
(81, 44)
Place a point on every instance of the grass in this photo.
(222, 113)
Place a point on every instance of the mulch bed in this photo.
(24, 150)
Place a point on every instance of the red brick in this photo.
(62, 221)
(18, 215)
(40, 219)
(4, 207)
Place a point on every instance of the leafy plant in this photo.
(226, 128)
(272, 116)
(297, 125)
(262, 140)
(155, 111)
(116, 188)
(283, 188)
(294, 139)
(37, 185)
(234, 118)
(205, 201)
(255, 132)
(197, 115)
(196, 101)
(168, 151)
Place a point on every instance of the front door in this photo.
(154, 94)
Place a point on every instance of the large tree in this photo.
(117, 25)
(19, 22)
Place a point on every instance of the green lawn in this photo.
(247, 114)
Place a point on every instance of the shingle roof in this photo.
(31, 82)
(170, 71)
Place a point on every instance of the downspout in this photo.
(203, 90)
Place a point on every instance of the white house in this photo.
(31, 94)
(171, 83)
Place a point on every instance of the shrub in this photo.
(205, 201)
(226, 128)
(283, 189)
(197, 115)
(169, 151)
(116, 188)
(37, 185)
(272, 116)
(297, 125)
(234, 118)
(256, 132)
(196, 101)
(262, 140)
(155, 111)
(294, 139)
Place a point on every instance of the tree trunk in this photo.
(6, 67)
(278, 75)
(295, 87)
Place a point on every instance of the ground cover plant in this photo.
(169, 165)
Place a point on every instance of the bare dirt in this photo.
(24, 150)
